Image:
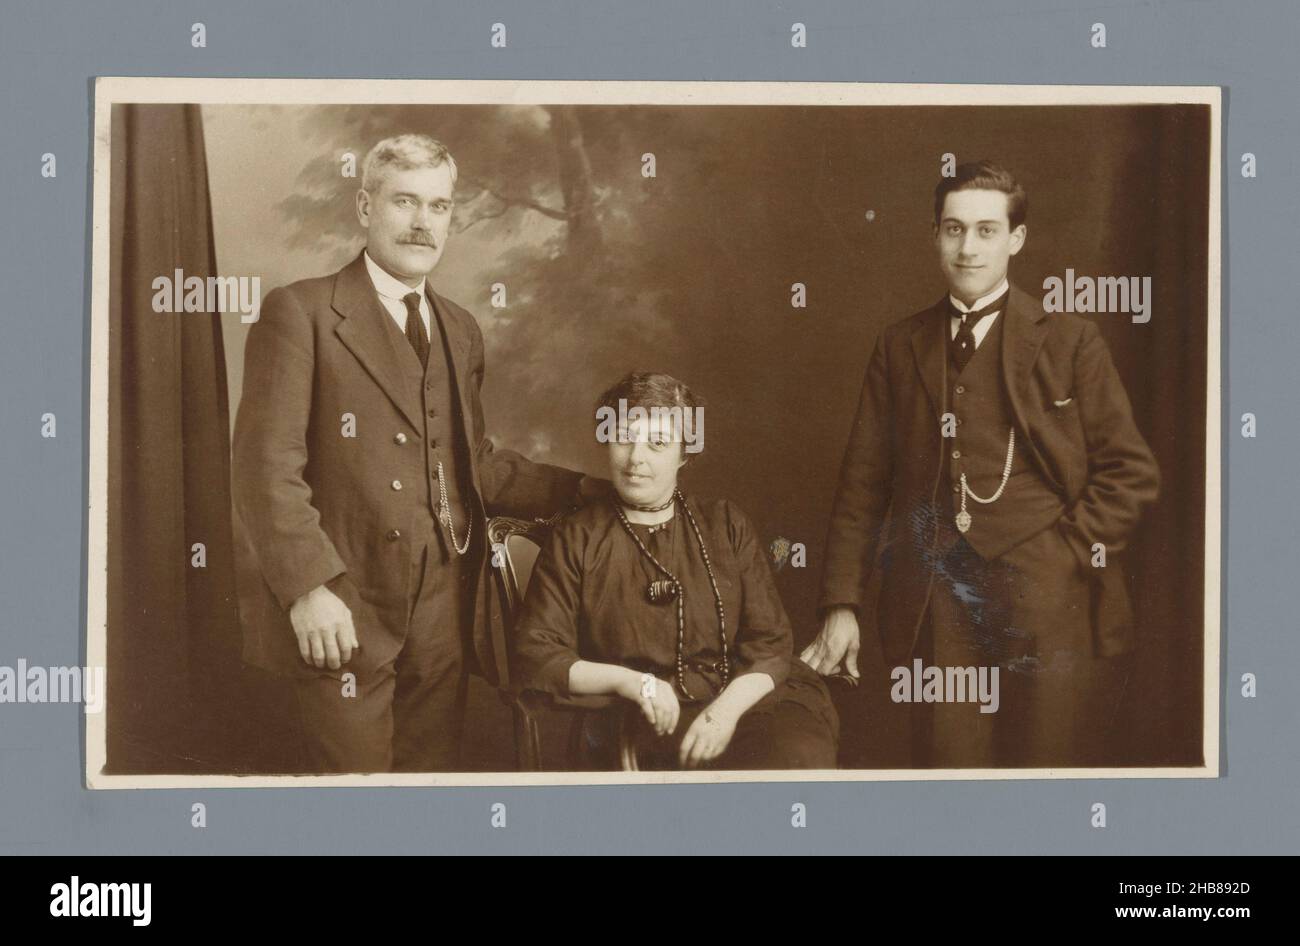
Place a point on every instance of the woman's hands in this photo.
(707, 738)
(711, 732)
(657, 700)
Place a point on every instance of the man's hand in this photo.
(707, 738)
(323, 625)
(837, 644)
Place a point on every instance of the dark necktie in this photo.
(963, 343)
(415, 333)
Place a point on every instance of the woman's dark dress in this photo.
(587, 600)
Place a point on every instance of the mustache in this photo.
(419, 239)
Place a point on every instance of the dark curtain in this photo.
(1167, 563)
(173, 636)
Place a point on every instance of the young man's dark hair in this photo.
(984, 176)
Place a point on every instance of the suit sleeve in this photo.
(511, 484)
(863, 495)
(1122, 472)
(269, 454)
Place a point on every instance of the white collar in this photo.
(387, 285)
(981, 301)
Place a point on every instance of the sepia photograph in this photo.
(544, 433)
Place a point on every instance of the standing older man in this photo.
(999, 442)
(362, 479)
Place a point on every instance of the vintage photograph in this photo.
(486, 432)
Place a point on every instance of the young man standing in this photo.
(998, 443)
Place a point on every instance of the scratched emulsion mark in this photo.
(780, 550)
(1027, 663)
(992, 639)
(923, 523)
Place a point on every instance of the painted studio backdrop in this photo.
(606, 270)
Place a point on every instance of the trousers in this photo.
(1028, 615)
(406, 715)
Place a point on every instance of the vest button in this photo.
(433, 444)
(956, 454)
(399, 439)
(432, 413)
(960, 389)
(393, 535)
(956, 488)
(397, 484)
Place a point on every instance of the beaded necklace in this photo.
(659, 591)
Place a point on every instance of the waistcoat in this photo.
(977, 397)
(443, 438)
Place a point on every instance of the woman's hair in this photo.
(649, 390)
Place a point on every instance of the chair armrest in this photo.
(534, 700)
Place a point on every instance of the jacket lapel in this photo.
(460, 341)
(362, 331)
(457, 340)
(930, 349)
(1022, 338)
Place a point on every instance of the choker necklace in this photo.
(671, 500)
(669, 587)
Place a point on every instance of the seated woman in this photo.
(669, 602)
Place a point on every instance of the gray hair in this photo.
(406, 152)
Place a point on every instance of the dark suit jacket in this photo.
(1089, 450)
(312, 504)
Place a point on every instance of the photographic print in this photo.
(489, 432)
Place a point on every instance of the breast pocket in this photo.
(1070, 449)
(1063, 409)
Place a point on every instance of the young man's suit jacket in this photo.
(315, 506)
(1074, 420)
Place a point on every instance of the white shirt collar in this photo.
(981, 301)
(389, 286)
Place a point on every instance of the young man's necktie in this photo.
(963, 343)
